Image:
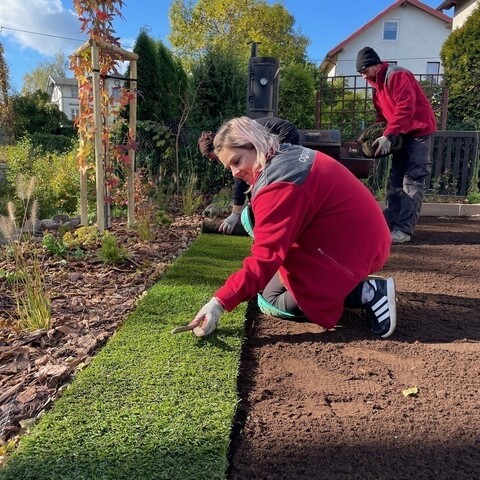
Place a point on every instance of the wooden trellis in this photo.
(95, 46)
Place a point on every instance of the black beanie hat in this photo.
(366, 58)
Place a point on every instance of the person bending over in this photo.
(400, 102)
(286, 132)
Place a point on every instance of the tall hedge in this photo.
(460, 55)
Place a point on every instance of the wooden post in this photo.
(99, 172)
(103, 216)
(106, 159)
(132, 132)
(83, 172)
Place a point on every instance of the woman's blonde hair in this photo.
(243, 132)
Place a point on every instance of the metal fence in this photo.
(455, 165)
(345, 103)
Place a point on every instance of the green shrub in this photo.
(47, 142)
(85, 236)
(55, 246)
(58, 187)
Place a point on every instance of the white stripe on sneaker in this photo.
(381, 310)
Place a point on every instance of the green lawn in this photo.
(152, 405)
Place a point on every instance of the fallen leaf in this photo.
(410, 392)
(27, 395)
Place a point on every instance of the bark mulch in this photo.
(90, 299)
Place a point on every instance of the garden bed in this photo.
(335, 404)
(90, 299)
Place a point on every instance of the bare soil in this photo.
(333, 404)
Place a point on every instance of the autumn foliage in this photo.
(96, 18)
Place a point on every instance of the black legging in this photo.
(276, 294)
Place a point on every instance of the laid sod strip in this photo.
(152, 405)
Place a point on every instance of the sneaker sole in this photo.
(403, 240)
(392, 305)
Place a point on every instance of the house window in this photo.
(74, 92)
(433, 71)
(390, 30)
(433, 68)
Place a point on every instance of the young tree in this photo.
(461, 62)
(37, 79)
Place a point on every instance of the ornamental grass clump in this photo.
(27, 284)
(111, 251)
(190, 199)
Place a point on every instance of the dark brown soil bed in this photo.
(331, 404)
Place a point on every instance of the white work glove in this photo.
(229, 223)
(384, 145)
(207, 318)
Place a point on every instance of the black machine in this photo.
(262, 101)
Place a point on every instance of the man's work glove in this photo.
(207, 318)
(205, 145)
(229, 223)
(383, 146)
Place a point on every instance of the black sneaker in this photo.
(381, 310)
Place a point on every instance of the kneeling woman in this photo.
(318, 235)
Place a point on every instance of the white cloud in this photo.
(42, 25)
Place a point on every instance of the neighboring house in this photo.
(463, 8)
(408, 33)
(64, 93)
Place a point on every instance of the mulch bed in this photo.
(90, 299)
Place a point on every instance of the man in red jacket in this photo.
(318, 235)
(402, 104)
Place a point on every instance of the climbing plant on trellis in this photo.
(93, 64)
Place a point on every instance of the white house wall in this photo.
(420, 38)
(67, 101)
(462, 11)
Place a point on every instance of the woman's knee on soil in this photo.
(276, 294)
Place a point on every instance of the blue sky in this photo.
(32, 31)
